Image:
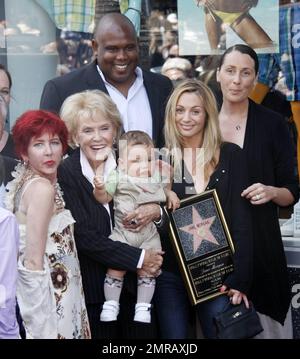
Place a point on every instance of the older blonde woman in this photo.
(191, 129)
(94, 125)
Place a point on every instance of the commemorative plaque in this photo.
(203, 244)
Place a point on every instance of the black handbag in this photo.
(238, 322)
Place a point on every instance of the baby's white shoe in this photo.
(142, 313)
(110, 311)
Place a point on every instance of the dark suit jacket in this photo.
(9, 148)
(158, 89)
(7, 165)
(96, 251)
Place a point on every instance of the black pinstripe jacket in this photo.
(95, 250)
(7, 165)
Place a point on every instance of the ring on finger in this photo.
(257, 197)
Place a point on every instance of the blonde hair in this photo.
(212, 135)
(88, 105)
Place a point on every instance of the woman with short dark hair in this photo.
(263, 135)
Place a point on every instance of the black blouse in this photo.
(270, 161)
(229, 179)
(9, 148)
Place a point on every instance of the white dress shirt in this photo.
(135, 109)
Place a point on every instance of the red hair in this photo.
(34, 123)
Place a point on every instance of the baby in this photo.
(136, 181)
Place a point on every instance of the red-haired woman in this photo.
(49, 289)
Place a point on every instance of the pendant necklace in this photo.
(238, 127)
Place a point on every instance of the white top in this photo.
(135, 109)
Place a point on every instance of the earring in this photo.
(114, 141)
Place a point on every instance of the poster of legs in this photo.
(208, 27)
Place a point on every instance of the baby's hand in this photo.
(165, 170)
(173, 201)
(99, 182)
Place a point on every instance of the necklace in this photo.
(229, 121)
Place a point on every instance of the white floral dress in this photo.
(51, 301)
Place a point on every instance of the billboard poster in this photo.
(208, 27)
